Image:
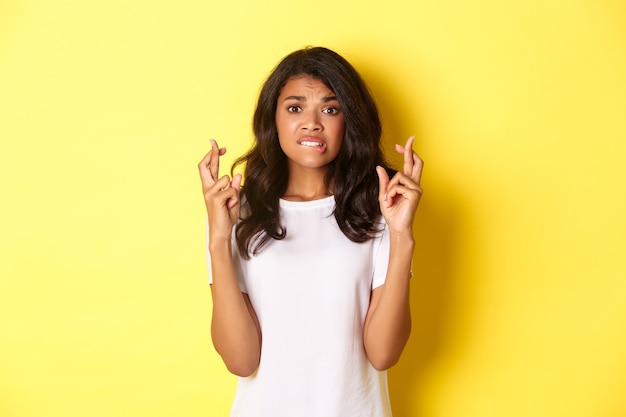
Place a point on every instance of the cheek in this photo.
(284, 135)
(340, 128)
(283, 126)
(338, 131)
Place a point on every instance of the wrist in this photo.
(402, 246)
(219, 245)
(402, 239)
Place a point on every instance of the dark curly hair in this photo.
(352, 173)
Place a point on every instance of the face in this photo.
(310, 124)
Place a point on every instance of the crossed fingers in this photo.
(209, 166)
(413, 165)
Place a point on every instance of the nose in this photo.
(311, 122)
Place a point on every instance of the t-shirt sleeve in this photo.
(381, 257)
(236, 260)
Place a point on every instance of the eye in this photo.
(330, 110)
(294, 109)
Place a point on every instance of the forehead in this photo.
(305, 85)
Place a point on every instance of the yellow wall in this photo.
(520, 112)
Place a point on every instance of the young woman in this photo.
(310, 259)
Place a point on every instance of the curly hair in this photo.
(352, 173)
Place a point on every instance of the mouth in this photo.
(313, 143)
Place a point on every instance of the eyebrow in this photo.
(302, 98)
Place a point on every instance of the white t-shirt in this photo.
(311, 292)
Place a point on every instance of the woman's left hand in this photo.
(400, 195)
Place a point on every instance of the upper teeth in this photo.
(309, 143)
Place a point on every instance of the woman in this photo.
(311, 258)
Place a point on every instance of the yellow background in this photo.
(519, 108)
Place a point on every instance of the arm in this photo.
(388, 321)
(235, 329)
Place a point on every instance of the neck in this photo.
(309, 187)
(306, 196)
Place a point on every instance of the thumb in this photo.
(236, 182)
(236, 185)
(383, 182)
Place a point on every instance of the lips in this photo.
(314, 143)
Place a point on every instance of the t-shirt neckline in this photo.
(321, 202)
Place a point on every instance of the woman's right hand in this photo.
(221, 195)
(235, 328)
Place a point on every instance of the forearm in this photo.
(388, 325)
(234, 326)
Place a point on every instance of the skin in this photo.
(307, 112)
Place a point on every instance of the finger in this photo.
(404, 181)
(221, 195)
(235, 184)
(400, 149)
(418, 166)
(209, 165)
(400, 186)
(383, 181)
(205, 174)
(408, 156)
(227, 197)
(214, 162)
(217, 186)
(401, 191)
